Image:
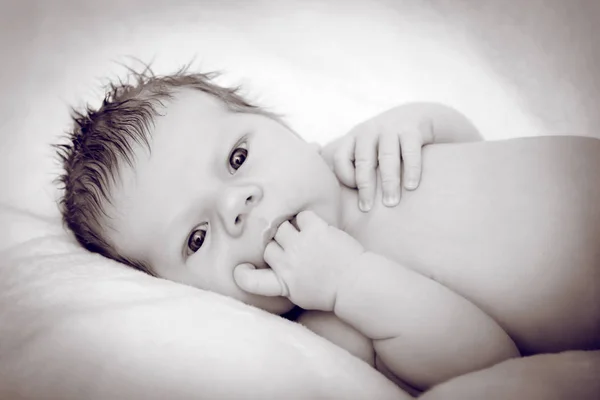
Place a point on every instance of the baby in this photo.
(495, 254)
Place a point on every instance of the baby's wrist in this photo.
(349, 281)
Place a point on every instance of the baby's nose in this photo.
(235, 205)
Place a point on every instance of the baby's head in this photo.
(185, 180)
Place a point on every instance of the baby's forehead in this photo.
(189, 111)
(188, 129)
(184, 100)
(186, 115)
(191, 127)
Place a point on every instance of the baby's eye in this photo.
(238, 156)
(196, 239)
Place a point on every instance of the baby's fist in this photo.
(306, 263)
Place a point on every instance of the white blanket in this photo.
(75, 326)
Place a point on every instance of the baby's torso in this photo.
(513, 226)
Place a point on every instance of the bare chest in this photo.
(526, 258)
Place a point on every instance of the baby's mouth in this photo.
(269, 234)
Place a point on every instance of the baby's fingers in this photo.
(411, 157)
(389, 168)
(365, 163)
(343, 162)
(263, 282)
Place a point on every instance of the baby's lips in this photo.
(270, 232)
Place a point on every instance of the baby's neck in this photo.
(349, 211)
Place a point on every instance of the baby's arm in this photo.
(327, 325)
(423, 332)
(330, 327)
(447, 124)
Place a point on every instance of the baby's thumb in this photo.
(263, 282)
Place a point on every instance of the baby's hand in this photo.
(381, 141)
(306, 263)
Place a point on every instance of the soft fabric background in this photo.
(73, 325)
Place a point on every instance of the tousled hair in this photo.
(101, 139)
